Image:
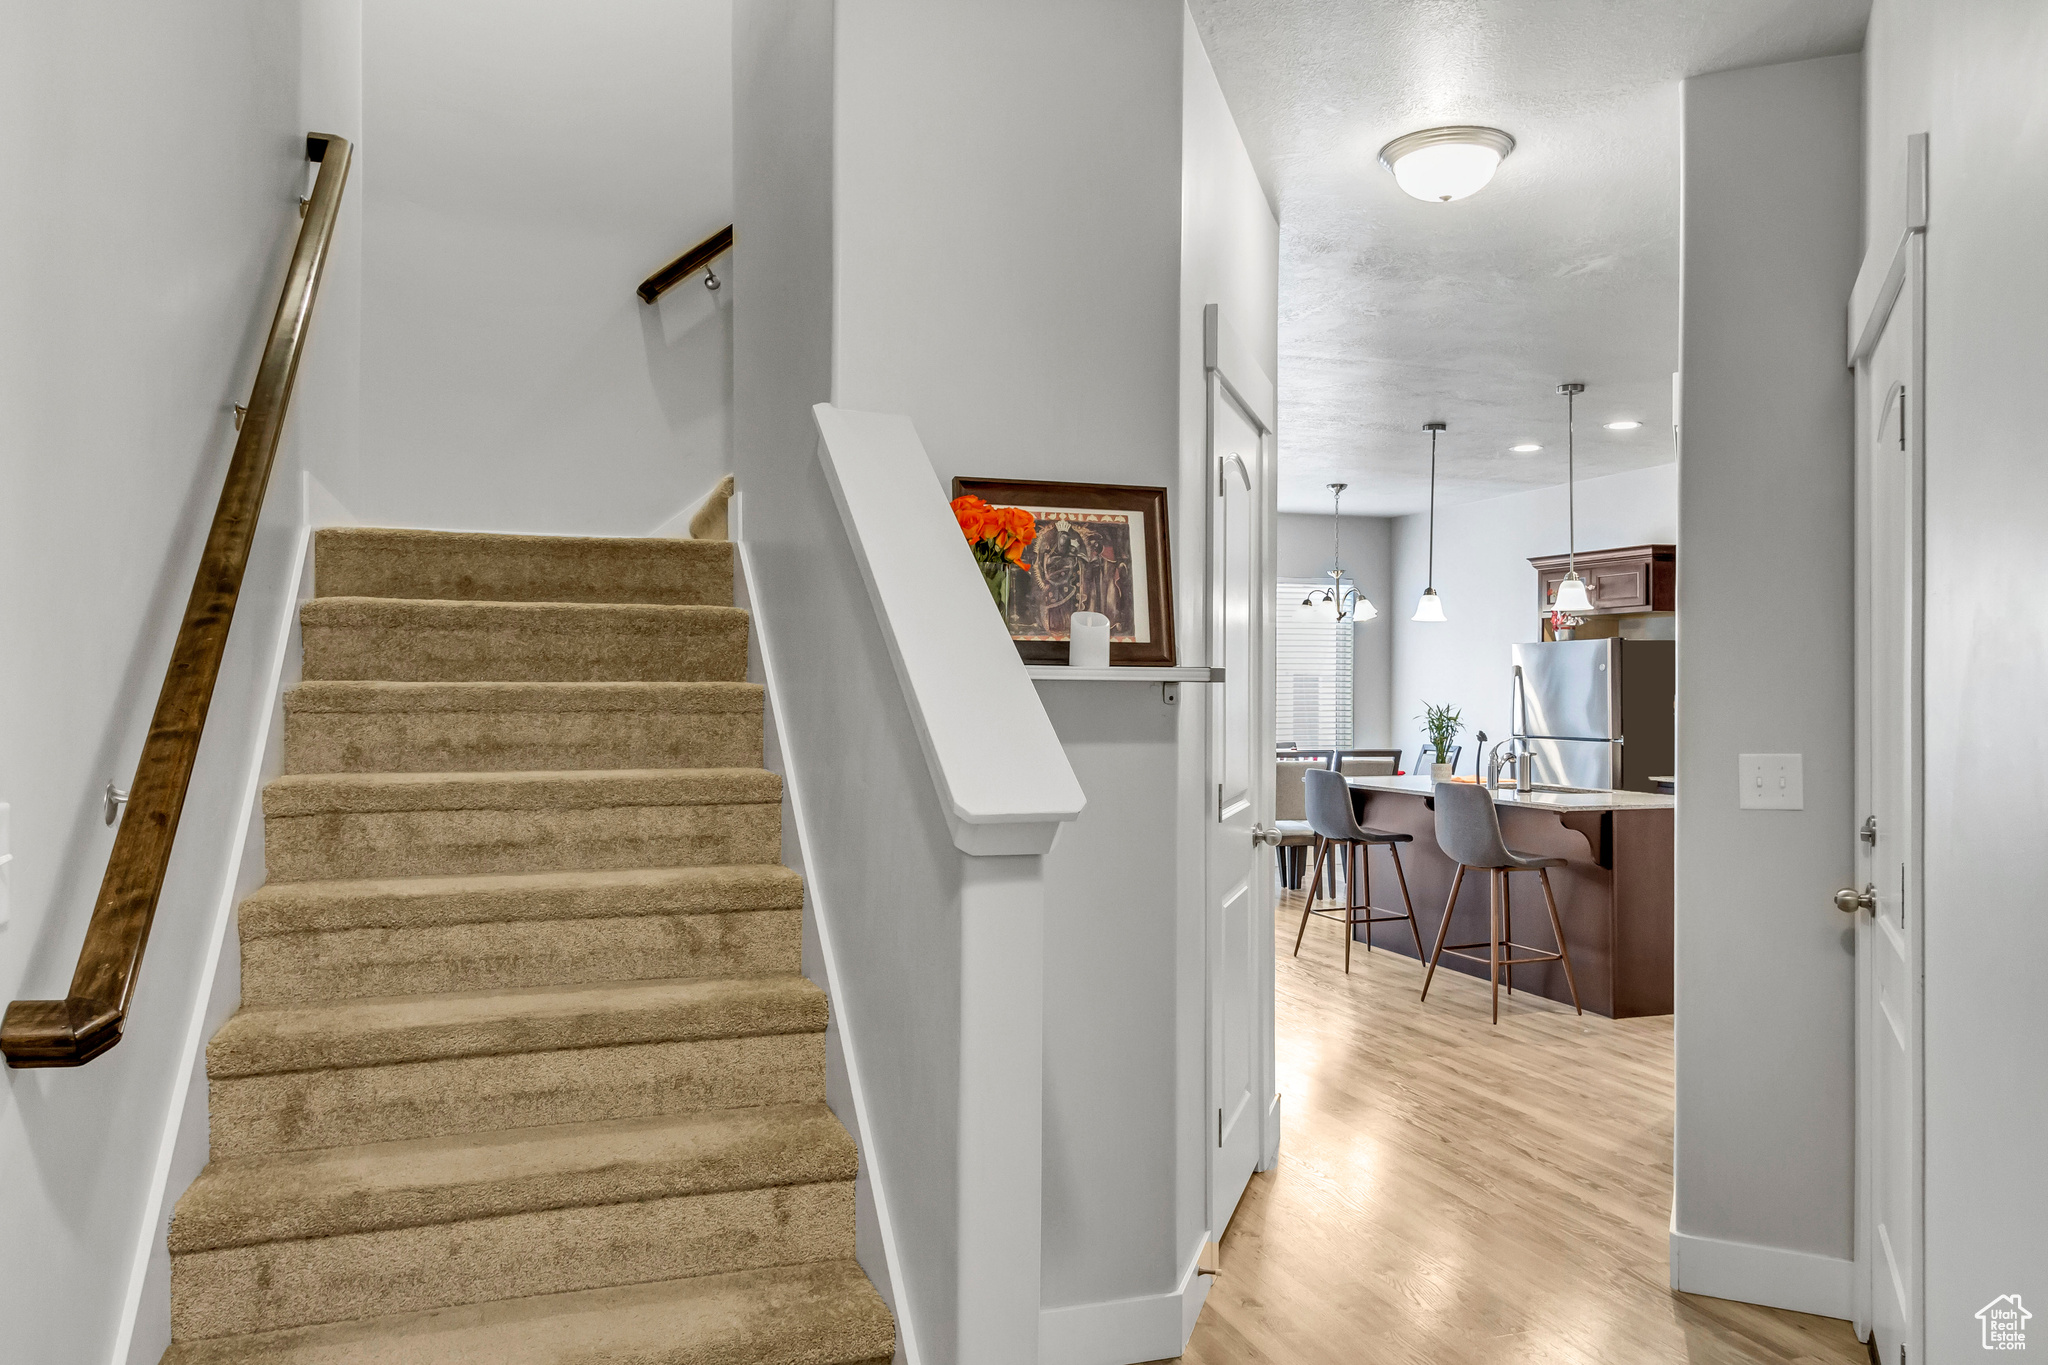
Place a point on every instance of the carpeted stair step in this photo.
(344, 826)
(825, 1313)
(304, 942)
(378, 639)
(379, 1070)
(361, 561)
(262, 1243)
(392, 727)
(799, 1314)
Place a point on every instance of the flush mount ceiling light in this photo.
(1431, 607)
(1337, 602)
(1571, 594)
(1526, 448)
(1623, 426)
(1442, 164)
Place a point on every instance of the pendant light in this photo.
(1336, 602)
(1431, 607)
(1571, 594)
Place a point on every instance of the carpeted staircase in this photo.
(524, 1070)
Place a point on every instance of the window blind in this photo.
(1312, 693)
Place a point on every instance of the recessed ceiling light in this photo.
(1623, 426)
(1527, 447)
(1442, 164)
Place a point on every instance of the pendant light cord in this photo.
(1571, 503)
(1432, 511)
(1336, 540)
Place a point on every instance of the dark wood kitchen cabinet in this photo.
(1635, 578)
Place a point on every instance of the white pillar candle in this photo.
(1088, 640)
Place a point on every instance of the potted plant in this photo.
(997, 536)
(1563, 624)
(1442, 724)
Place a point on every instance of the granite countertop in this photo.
(1537, 800)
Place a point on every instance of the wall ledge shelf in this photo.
(1062, 673)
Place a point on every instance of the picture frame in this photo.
(1100, 547)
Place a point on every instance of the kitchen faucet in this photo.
(1494, 763)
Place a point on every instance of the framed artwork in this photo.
(1101, 547)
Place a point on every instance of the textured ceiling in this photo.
(1394, 312)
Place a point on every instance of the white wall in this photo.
(1765, 1133)
(1007, 228)
(880, 854)
(523, 169)
(1001, 253)
(1367, 550)
(1488, 589)
(1970, 77)
(126, 337)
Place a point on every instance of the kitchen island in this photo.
(1614, 893)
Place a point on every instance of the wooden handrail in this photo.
(686, 265)
(78, 1028)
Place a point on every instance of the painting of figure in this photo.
(1080, 562)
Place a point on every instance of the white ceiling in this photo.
(1394, 312)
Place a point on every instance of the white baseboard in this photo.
(1771, 1276)
(1125, 1331)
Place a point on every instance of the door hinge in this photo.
(1868, 834)
(1223, 477)
(1902, 446)
(1902, 895)
(1219, 1127)
(1219, 800)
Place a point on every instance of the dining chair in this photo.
(1328, 800)
(1468, 831)
(1290, 817)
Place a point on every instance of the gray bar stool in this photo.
(1468, 830)
(1328, 799)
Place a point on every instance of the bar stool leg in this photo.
(1507, 923)
(1493, 936)
(1308, 903)
(1557, 927)
(1365, 881)
(1350, 880)
(1413, 928)
(1444, 929)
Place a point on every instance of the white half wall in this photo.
(1367, 548)
(1488, 589)
(125, 336)
(523, 168)
(1969, 76)
(1765, 990)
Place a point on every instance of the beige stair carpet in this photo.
(525, 1069)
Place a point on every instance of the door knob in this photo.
(1849, 900)
(1262, 835)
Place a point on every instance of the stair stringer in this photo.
(285, 582)
(875, 1245)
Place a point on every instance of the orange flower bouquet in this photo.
(997, 536)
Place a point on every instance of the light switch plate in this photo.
(1772, 782)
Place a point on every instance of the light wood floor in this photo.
(1451, 1192)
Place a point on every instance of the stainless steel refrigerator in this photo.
(1597, 713)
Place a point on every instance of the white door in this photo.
(1240, 872)
(1888, 928)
